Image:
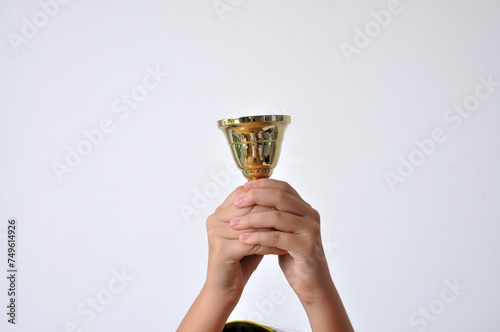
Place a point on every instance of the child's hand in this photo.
(292, 225)
(267, 217)
(231, 262)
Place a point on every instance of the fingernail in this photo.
(239, 201)
(235, 222)
(249, 185)
(244, 237)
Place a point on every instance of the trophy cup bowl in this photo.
(255, 142)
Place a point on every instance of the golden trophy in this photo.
(255, 142)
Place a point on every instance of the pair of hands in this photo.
(266, 217)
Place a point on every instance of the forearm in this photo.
(327, 314)
(209, 312)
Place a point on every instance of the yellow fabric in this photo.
(237, 322)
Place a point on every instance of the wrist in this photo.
(319, 295)
(228, 294)
(327, 313)
(315, 285)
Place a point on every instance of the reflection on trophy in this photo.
(255, 142)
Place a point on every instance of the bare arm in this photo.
(209, 312)
(328, 313)
(294, 226)
(230, 265)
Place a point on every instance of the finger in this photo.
(229, 212)
(231, 234)
(232, 196)
(282, 240)
(272, 184)
(276, 198)
(279, 220)
(239, 250)
(221, 229)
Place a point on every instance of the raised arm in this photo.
(296, 229)
(230, 265)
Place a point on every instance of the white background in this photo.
(392, 253)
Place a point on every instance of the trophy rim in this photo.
(254, 118)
